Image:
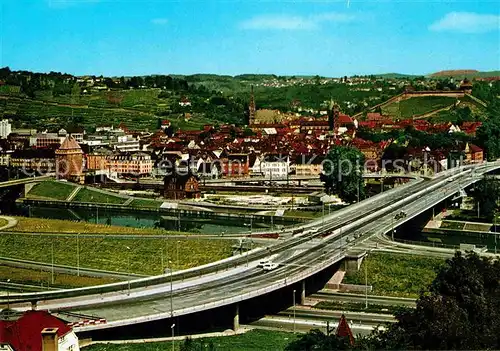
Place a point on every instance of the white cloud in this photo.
(289, 22)
(466, 22)
(159, 21)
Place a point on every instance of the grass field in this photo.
(3, 222)
(40, 114)
(88, 195)
(40, 225)
(44, 278)
(417, 106)
(303, 214)
(253, 340)
(145, 255)
(395, 274)
(452, 225)
(145, 203)
(51, 190)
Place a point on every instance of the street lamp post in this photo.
(294, 291)
(128, 270)
(495, 230)
(162, 266)
(171, 292)
(52, 259)
(366, 280)
(178, 242)
(392, 227)
(8, 300)
(78, 254)
(323, 216)
(173, 334)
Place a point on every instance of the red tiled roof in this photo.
(374, 116)
(344, 119)
(70, 143)
(475, 148)
(24, 334)
(343, 330)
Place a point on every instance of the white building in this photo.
(275, 166)
(5, 128)
(126, 143)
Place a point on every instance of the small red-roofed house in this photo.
(344, 331)
(374, 116)
(23, 332)
(473, 153)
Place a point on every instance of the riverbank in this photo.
(172, 211)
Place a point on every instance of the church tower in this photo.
(69, 161)
(251, 109)
(333, 115)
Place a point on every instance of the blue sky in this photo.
(329, 38)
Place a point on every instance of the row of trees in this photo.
(488, 135)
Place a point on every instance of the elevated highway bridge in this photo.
(235, 280)
(24, 181)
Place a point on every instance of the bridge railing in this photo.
(198, 271)
(210, 268)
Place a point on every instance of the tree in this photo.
(196, 345)
(317, 340)
(488, 135)
(486, 194)
(343, 173)
(248, 132)
(460, 310)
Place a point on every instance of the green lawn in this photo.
(87, 195)
(253, 340)
(304, 214)
(452, 225)
(3, 222)
(396, 274)
(52, 190)
(145, 255)
(44, 278)
(417, 106)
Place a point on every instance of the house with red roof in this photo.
(374, 116)
(29, 330)
(344, 331)
(473, 153)
(470, 128)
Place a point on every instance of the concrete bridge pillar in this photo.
(236, 318)
(27, 187)
(353, 259)
(303, 293)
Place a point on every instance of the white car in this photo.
(269, 266)
(263, 262)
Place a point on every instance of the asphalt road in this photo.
(325, 295)
(358, 221)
